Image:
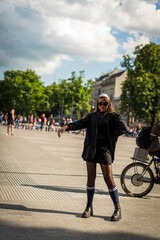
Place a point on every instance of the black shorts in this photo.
(10, 122)
(103, 156)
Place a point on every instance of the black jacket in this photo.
(115, 127)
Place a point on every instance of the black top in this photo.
(114, 127)
(10, 116)
(102, 131)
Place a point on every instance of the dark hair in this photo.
(110, 108)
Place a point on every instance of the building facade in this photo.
(110, 83)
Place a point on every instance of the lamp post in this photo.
(62, 109)
(72, 107)
(128, 110)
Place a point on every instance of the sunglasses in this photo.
(103, 104)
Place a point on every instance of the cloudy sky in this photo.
(56, 37)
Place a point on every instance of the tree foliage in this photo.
(71, 96)
(141, 90)
(24, 92)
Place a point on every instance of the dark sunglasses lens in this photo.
(104, 104)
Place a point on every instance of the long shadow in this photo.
(26, 209)
(55, 174)
(14, 232)
(81, 190)
(70, 189)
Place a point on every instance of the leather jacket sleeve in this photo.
(80, 124)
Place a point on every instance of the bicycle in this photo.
(137, 179)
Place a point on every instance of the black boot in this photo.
(117, 213)
(88, 211)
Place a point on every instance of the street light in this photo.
(62, 109)
(128, 110)
(72, 107)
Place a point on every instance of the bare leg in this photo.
(12, 126)
(7, 130)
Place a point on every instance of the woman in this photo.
(103, 128)
(43, 121)
(10, 121)
(51, 123)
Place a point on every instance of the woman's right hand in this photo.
(61, 130)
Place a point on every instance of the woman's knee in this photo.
(109, 181)
(90, 182)
(91, 179)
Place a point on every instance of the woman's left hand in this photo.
(61, 130)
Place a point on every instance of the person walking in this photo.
(104, 126)
(51, 123)
(43, 121)
(10, 122)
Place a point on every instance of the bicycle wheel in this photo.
(134, 182)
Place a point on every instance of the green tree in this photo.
(70, 96)
(54, 94)
(22, 91)
(141, 90)
(78, 94)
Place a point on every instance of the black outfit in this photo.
(103, 154)
(103, 129)
(10, 119)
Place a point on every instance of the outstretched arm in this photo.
(80, 124)
(63, 129)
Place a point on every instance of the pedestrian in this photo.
(10, 122)
(138, 129)
(30, 122)
(103, 126)
(17, 121)
(43, 121)
(1, 117)
(63, 122)
(34, 122)
(51, 123)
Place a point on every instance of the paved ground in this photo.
(42, 192)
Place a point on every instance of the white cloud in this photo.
(130, 45)
(150, 1)
(53, 31)
(138, 15)
(48, 67)
(89, 41)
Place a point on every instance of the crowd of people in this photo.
(43, 122)
(134, 130)
(31, 122)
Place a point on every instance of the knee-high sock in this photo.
(114, 194)
(90, 192)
